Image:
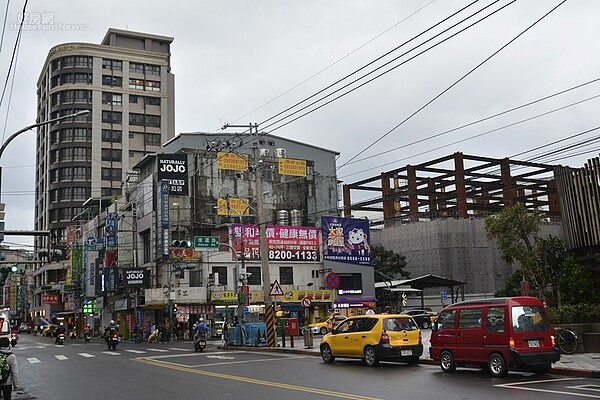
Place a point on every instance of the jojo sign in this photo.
(174, 168)
(135, 277)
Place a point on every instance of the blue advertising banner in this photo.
(162, 219)
(346, 240)
(110, 229)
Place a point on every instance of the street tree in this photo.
(386, 263)
(516, 231)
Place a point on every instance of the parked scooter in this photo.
(200, 342)
(60, 340)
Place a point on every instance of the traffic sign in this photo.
(276, 289)
(332, 280)
(306, 302)
(91, 241)
(208, 243)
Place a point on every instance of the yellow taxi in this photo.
(322, 324)
(374, 338)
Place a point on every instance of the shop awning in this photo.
(356, 299)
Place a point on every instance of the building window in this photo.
(53, 176)
(80, 154)
(67, 78)
(81, 61)
(152, 139)
(82, 96)
(350, 281)
(109, 80)
(136, 119)
(65, 174)
(222, 271)
(109, 135)
(83, 78)
(144, 120)
(80, 193)
(153, 101)
(80, 174)
(114, 99)
(111, 155)
(152, 69)
(286, 275)
(136, 67)
(112, 64)
(146, 248)
(152, 86)
(67, 62)
(111, 174)
(133, 98)
(64, 214)
(65, 194)
(65, 154)
(114, 117)
(53, 156)
(254, 278)
(82, 135)
(110, 192)
(136, 84)
(53, 195)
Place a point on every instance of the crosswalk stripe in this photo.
(178, 349)
(159, 350)
(111, 353)
(61, 357)
(136, 351)
(87, 355)
(33, 360)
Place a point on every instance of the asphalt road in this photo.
(166, 371)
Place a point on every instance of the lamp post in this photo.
(17, 133)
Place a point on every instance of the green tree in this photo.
(577, 284)
(516, 231)
(387, 263)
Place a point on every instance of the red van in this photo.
(510, 333)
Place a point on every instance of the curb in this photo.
(580, 373)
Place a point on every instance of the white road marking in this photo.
(61, 357)
(33, 360)
(136, 351)
(520, 386)
(159, 350)
(87, 355)
(180, 349)
(111, 353)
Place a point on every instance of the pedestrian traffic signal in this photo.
(9, 269)
(182, 244)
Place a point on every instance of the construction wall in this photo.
(452, 248)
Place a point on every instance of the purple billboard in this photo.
(346, 240)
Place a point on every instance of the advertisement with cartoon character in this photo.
(346, 240)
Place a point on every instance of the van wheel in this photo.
(370, 357)
(497, 365)
(327, 354)
(447, 362)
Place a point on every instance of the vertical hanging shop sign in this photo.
(174, 169)
(162, 219)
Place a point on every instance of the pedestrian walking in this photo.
(10, 371)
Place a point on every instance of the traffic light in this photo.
(9, 269)
(182, 244)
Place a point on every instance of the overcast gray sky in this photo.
(242, 62)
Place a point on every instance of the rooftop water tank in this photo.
(283, 217)
(280, 152)
(296, 216)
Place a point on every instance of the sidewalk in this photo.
(578, 364)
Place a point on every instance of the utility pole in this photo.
(264, 257)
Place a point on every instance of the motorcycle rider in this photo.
(200, 329)
(59, 330)
(110, 330)
(87, 332)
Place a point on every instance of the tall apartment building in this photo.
(127, 85)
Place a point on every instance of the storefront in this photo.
(354, 305)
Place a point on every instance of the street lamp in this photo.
(17, 133)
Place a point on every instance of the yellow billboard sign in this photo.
(233, 161)
(289, 166)
(224, 297)
(232, 206)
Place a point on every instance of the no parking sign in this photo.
(332, 280)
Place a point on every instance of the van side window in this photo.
(495, 320)
(470, 318)
(446, 319)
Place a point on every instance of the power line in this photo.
(14, 53)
